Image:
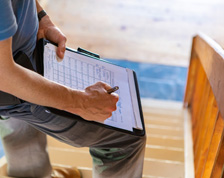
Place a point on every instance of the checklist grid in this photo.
(77, 74)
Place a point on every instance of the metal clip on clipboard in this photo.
(88, 53)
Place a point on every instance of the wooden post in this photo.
(204, 97)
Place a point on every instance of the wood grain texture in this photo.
(192, 73)
(218, 167)
(205, 100)
(197, 99)
(201, 111)
(212, 59)
(202, 121)
(214, 147)
(206, 141)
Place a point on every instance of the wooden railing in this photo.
(205, 99)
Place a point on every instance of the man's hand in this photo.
(97, 104)
(49, 31)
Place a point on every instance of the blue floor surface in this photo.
(1, 150)
(155, 81)
(158, 81)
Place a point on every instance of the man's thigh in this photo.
(77, 133)
(112, 151)
(70, 131)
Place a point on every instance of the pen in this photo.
(111, 90)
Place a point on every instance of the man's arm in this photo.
(92, 104)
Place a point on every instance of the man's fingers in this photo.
(115, 96)
(61, 48)
(105, 86)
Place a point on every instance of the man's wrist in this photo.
(41, 14)
(73, 101)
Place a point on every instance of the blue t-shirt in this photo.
(18, 18)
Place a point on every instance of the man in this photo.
(114, 154)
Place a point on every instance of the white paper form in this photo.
(78, 72)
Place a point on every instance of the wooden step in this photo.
(152, 168)
(159, 168)
(83, 159)
(164, 132)
(164, 122)
(151, 140)
(76, 157)
(71, 156)
(164, 153)
(165, 142)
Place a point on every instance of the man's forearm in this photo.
(94, 103)
(32, 87)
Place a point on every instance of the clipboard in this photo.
(78, 59)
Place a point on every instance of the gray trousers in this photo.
(115, 155)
